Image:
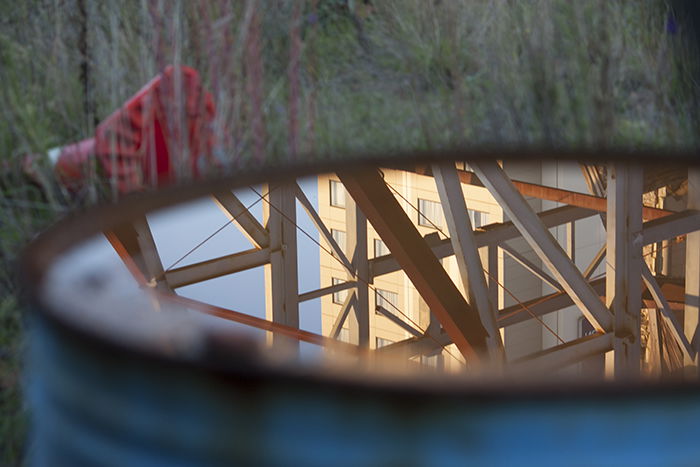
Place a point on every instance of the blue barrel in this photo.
(106, 389)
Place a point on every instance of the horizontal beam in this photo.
(492, 234)
(306, 296)
(539, 306)
(563, 355)
(571, 198)
(217, 267)
(556, 301)
(423, 345)
(675, 225)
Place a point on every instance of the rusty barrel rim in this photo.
(79, 226)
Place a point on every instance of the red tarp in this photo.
(165, 125)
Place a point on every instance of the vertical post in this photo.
(654, 344)
(692, 272)
(571, 240)
(281, 285)
(492, 268)
(624, 265)
(356, 245)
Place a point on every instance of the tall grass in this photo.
(324, 78)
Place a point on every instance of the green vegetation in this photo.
(395, 75)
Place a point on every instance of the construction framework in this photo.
(614, 305)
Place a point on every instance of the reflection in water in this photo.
(203, 276)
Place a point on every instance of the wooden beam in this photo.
(423, 345)
(394, 227)
(692, 273)
(492, 271)
(217, 267)
(136, 240)
(471, 270)
(654, 344)
(259, 323)
(281, 282)
(571, 198)
(675, 225)
(563, 355)
(624, 265)
(241, 216)
(543, 244)
(356, 244)
(306, 296)
(539, 306)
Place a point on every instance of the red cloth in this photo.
(143, 142)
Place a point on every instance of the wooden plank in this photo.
(356, 244)
(259, 323)
(407, 348)
(306, 296)
(281, 282)
(692, 273)
(623, 270)
(571, 198)
(217, 267)
(563, 355)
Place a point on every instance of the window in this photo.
(339, 297)
(339, 237)
(381, 342)
(478, 218)
(344, 335)
(430, 214)
(431, 361)
(585, 328)
(386, 299)
(380, 248)
(337, 194)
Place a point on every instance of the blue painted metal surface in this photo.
(96, 405)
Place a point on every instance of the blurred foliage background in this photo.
(327, 78)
